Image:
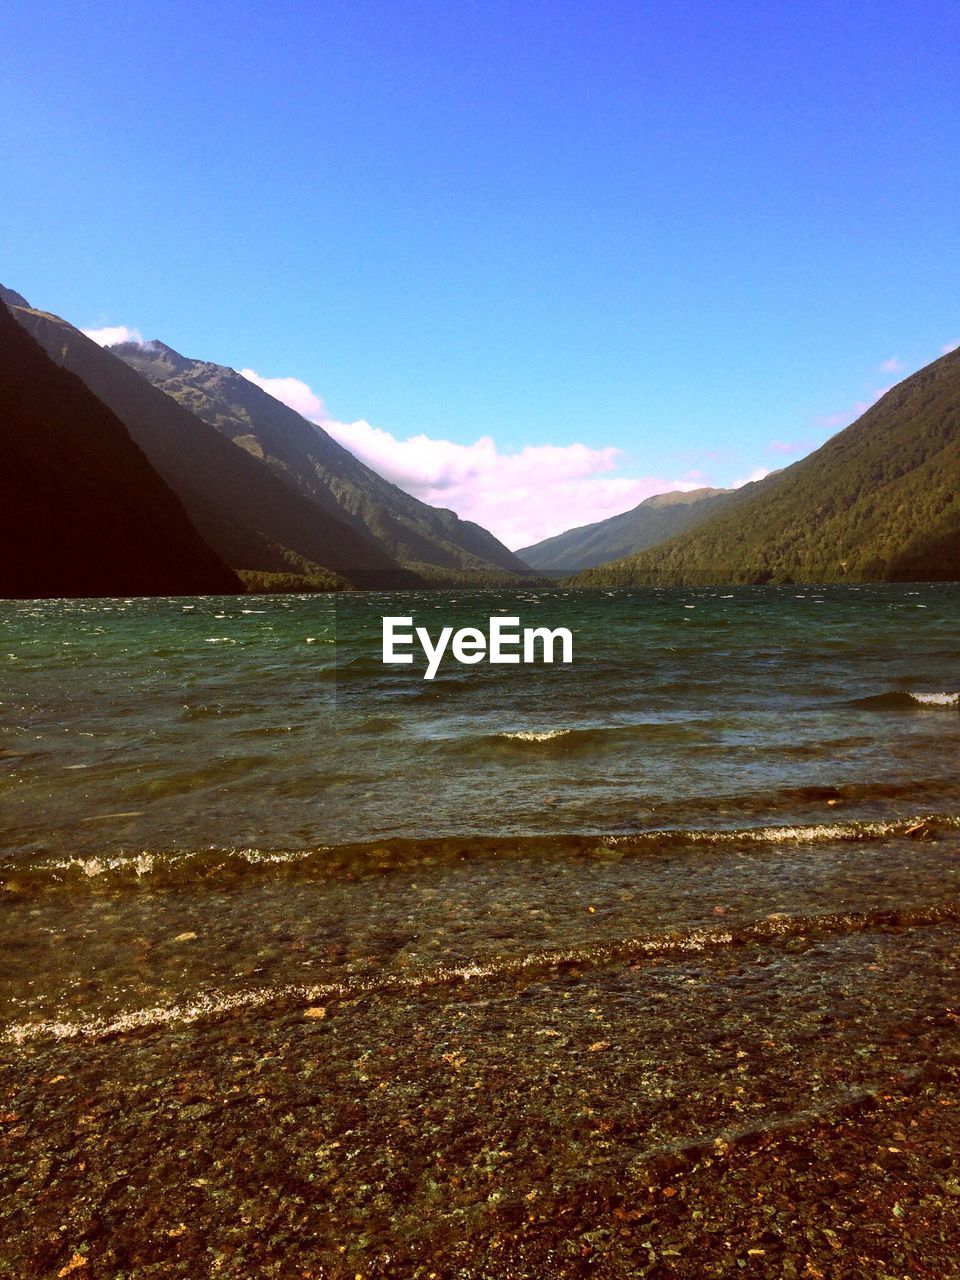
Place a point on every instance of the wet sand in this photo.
(778, 1106)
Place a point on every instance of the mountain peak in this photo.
(153, 352)
(12, 298)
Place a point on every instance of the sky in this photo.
(534, 261)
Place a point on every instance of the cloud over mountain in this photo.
(113, 334)
(522, 496)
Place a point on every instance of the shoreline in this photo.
(782, 1107)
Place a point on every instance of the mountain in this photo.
(878, 501)
(11, 298)
(431, 541)
(252, 518)
(654, 520)
(82, 512)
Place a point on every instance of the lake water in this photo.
(208, 802)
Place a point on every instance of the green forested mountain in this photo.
(653, 521)
(431, 541)
(250, 515)
(880, 500)
(82, 512)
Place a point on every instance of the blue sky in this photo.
(535, 260)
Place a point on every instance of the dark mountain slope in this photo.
(82, 512)
(11, 298)
(422, 537)
(246, 512)
(652, 521)
(879, 501)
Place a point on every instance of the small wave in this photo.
(535, 735)
(905, 699)
(219, 866)
(215, 1003)
(609, 737)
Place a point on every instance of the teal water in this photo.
(271, 721)
(214, 800)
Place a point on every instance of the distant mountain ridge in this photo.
(879, 501)
(82, 512)
(424, 539)
(280, 501)
(651, 521)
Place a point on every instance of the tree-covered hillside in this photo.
(652, 521)
(880, 500)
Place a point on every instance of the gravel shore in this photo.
(782, 1108)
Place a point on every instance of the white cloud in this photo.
(292, 392)
(521, 497)
(948, 347)
(893, 365)
(110, 336)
